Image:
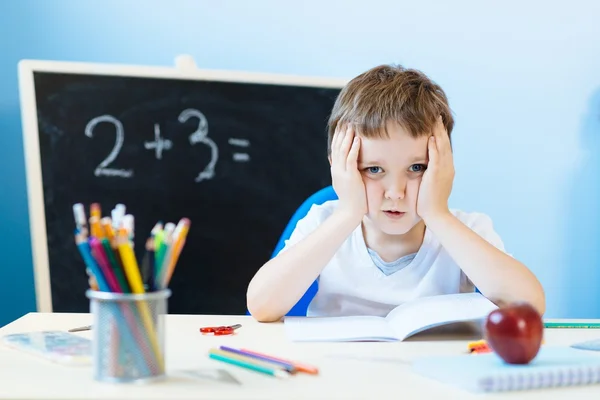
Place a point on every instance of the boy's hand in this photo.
(346, 178)
(436, 184)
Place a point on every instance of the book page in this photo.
(427, 312)
(338, 329)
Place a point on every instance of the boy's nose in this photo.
(396, 190)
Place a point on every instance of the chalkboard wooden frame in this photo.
(185, 69)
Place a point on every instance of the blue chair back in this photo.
(319, 197)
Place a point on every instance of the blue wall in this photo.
(523, 80)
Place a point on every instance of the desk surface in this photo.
(347, 370)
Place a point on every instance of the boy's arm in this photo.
(496, 274)
(281, 282)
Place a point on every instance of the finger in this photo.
(346, 143)
(432, 151)
(336, 136)
(352, 160)
(335, 146)
(334, 141)
(441, 135)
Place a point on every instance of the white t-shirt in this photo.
(351, 284)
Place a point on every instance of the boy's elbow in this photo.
(260, 310)
(263, 314)
(540, 302)
(537, 297)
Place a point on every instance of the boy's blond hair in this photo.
(390, 93)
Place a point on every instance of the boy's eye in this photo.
(373, 170)
(418, 167)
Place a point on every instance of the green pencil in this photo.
(115, 265)
(575, 325)
(276, 372)
(160, 249)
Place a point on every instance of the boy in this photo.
(390, 237)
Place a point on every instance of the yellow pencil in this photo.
(134, 278)
(130, 264)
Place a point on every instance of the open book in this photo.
(403, 321)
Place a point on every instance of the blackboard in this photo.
(237, 154)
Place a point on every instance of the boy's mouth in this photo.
(394, 214)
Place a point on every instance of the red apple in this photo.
(515, 332)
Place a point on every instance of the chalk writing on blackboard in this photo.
(160, 144)
(240, 157)
(102, 168)
(201, 136)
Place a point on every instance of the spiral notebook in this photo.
(553, 367)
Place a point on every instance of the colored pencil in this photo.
(100, 256)
(179, 241)
(115, 266)
(249, 363)
(285, 365)
(134, 278)
(95, 227)
(107, 229)
(80, 219)
(309, 369)
(148, 265)
(86, 253)
(164, 254)
(573, 325)
(106, 247)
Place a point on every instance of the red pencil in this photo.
(309, 369)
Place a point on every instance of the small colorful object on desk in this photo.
(220, 330)
(126, 301)
(479, 347)
(258, 362)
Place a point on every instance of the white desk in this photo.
(384, 371)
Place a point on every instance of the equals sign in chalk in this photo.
(240, 157)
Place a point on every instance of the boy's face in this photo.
(392, 169)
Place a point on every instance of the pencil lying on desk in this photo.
(248, 363)
(309, 369)
(573, 325)
(283, 365)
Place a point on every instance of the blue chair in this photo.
(320, 197)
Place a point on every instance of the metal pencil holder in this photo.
(128, 335)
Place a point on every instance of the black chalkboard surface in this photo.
(235, 157)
